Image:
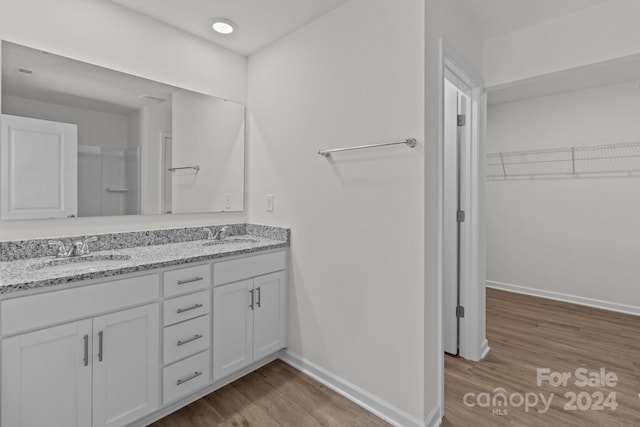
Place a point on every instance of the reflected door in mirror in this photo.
(38, 169)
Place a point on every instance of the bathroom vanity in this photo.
(128, 335)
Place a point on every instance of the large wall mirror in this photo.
(82, 140)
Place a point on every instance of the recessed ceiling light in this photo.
(223, 26)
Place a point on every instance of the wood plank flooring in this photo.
(526, 333)
(274, 395)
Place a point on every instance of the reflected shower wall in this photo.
(108, 181)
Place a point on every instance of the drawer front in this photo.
(245, 268)
(185, 377)
(188, 279)
(187, 338)
(186, 307)
(45, 309)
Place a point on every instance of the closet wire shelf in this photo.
(589, 160)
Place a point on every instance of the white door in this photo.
(268, 321)
(46, 377)
(125, 365)
(233, 306)
(38, 169)
(456, 167)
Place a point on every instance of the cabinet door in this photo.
(232, 327)
(125, 365)
(46, 380)
(38, 165)
(268, 324)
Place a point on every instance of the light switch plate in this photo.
(270, 201)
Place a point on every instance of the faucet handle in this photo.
(209, 232)
(85, 247)
(221, 234)
(62, 250)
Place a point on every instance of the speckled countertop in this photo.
(29, 273)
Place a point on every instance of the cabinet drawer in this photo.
(46, 309)
(245, 268)
(186, 307)
(187, 338)
(185, 377)
(188, 279)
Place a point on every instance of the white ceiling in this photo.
(260, 22)
(497, 17)
(65, 81)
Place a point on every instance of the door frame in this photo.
(163, 165)
(473, 344)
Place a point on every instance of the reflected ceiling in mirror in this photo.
(133, 138)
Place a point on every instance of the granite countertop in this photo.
(30, 274)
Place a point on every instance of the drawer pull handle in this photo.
(195, 279)
(196, 374)
(193, 307)
(195, 337)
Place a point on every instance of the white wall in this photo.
(108, 35)
(208, 132)
(354, 76)
(601, 33)
(571, 236)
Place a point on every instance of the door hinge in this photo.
(460, 216)
(462, 120)
(459, 312)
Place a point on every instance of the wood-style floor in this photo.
(526, 333)
(274, 395)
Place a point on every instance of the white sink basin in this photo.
(87, 262)
(230, 240)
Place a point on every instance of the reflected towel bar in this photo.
(196, 168)
(410, 142)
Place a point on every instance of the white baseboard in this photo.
(484, 349)
(434, 419)
(574, 299)
(366, 400)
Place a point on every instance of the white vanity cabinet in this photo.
(115, 353)
(44, 380)
(97, 371)
(248, 311)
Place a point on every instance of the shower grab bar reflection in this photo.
(196, 168)
(410, 142)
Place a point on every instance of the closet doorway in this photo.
(462, 167)
(457, 139)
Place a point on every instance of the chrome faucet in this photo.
(78, 248)
(62, 250)
(221, 234)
